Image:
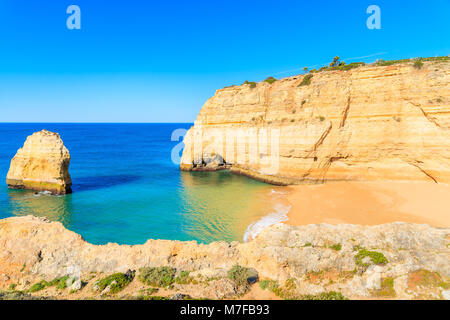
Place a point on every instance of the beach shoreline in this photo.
(369, 203)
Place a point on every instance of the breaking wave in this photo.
(279, 215)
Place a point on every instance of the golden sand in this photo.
(370, 203)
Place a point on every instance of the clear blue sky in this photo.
(159, 61)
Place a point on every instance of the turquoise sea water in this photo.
(126, 188)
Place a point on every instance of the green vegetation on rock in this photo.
(251, 83)
(183, 278)
(270, 80)
(116, 282)
(268, 284)
(242, 276)
(332, 295)
(336, 247)
(387, 288)
(306, 81)
(144, 297)
(375, 257)
(157, 276)
(20, 295)
(41, 285)
(418, 64)
(61, 284)
(383, 63)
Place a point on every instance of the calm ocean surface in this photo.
(126, 188)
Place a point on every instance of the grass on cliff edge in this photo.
(270, 80)
(251, 83)
(61, 284)
(288, 291)
(306, 81)
(342, 66)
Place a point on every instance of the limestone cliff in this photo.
(42, 164)
(368, 123)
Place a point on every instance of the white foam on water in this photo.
(277, 192)
(42, 193)
(278, 216)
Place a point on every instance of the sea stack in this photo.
(42, 164)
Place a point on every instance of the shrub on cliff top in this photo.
(418, 64)
(437, 59)
(116, 281)
(158, 276)
(383, 63)
(306, 80)
(241, 276)
(345, 67)
(251, 83)
(183, 278)
(270, 80)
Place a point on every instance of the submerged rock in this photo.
(42, 164)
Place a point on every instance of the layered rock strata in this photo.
(369, 123)
(42, 164)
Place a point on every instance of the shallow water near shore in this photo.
(127, 190)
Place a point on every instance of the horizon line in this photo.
(90, 122)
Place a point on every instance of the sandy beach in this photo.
(370, 203)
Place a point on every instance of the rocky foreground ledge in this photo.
(42, 164)
(42, 259)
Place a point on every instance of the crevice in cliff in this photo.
(267, 102)
(322, 137)
(423, 171)
(345, 112)
(425, 114)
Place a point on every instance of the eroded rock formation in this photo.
(369, 123)
(356, 258)
(42, 164)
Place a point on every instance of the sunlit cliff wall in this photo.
(369, 123)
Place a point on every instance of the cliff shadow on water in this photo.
(100, 182)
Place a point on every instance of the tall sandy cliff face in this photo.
(368, 123)
(42, 164)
